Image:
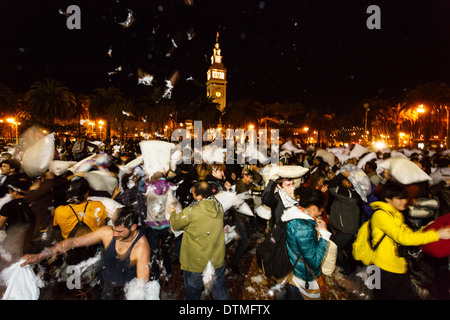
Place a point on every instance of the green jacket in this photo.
(203, 238)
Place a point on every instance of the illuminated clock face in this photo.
(218, 93)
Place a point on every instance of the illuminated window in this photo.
(218, 74)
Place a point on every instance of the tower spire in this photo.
(216, 84)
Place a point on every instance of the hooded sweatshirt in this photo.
(203, 239)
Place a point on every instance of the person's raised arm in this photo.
(268, 196)
(65, 245)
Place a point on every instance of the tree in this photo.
(8, 101)
(436, 98)
(106, 103)
(267, 114)
(155, 108)
(82, 108)
(50, 100)
(242, 112)
(286, 110)
(129, 107)
(321, 121)
(206, 110)
(395, 116)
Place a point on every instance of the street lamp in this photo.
(448, 128)
(101, 126)
(12, 121)
(421, 110)
(366, 106)
(92, 128)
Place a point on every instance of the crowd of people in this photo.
(175, 216)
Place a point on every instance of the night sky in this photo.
(319, 52)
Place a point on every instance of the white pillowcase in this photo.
(404, 170)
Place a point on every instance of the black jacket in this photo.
(273, 201)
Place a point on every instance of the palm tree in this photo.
(82, 108)
(268, 113)
(436, 98)
(207, 111)
(242, 112)
(156, 108)
(8, 100)
(320, 120)
(106, 103)
(129, 107)
(50, 100)
(396, 115)
(376, 105)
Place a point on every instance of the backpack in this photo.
(362, 246)
(81, 227)
(272, 255)
(77, 255)
(78, 146)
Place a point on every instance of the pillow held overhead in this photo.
(404, 170)
(156, 155)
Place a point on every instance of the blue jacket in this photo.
(302, 239)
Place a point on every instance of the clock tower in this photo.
(216, 84)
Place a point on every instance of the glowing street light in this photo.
(13, 122)
(421, 109)
(101, 126)
(92, 128)
(367, 107)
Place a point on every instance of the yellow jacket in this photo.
(388, 220)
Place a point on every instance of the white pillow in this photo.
(211, 153)
(21, 282)
(134, 163)
(156, 155)
(230, 199)
(327, 156)
(289, 146)
(404, 170)
(273, 172)
(112, 206)
(83, 165)
(358, 151)
(226, 198)
(398, 154)
(368, 157)
(264, 212)
(101, 181)
(59, 167)
(244, 208)
(36, 159)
